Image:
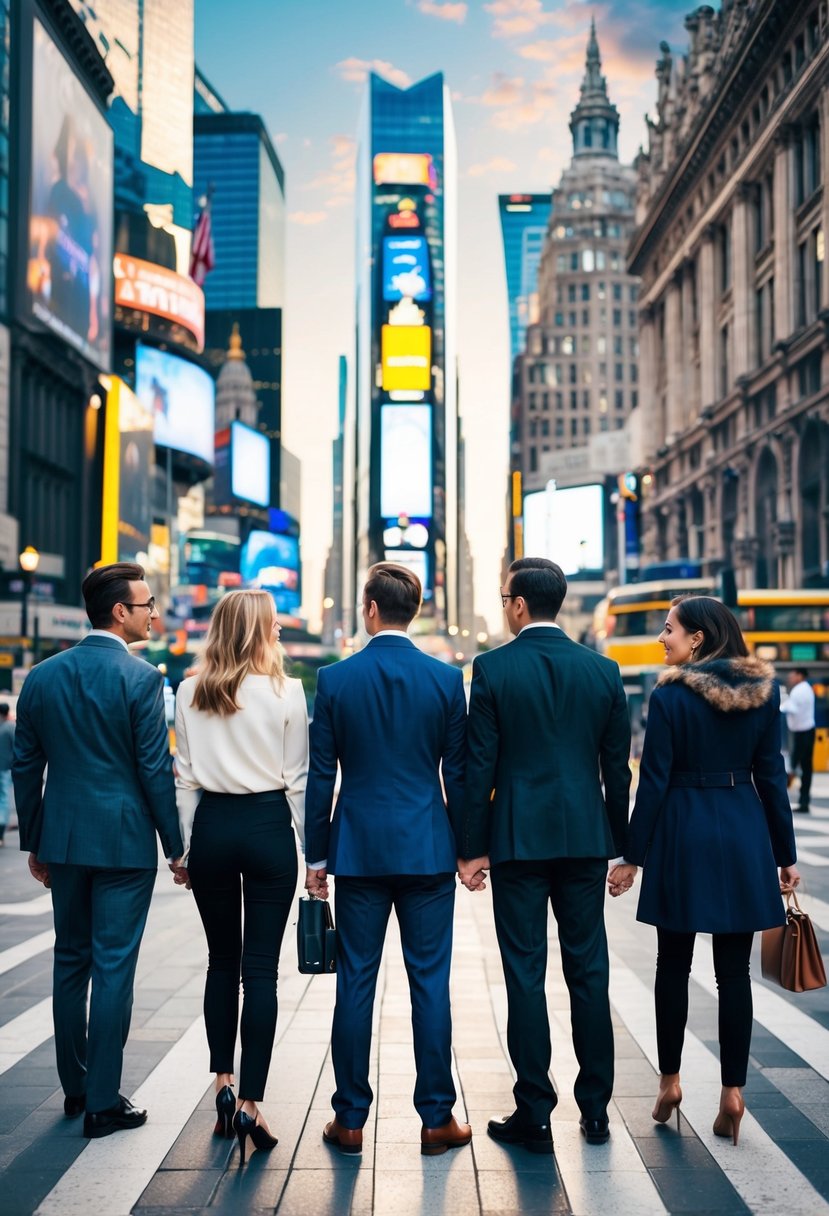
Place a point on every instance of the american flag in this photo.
(202, 259)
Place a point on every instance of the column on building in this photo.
(690, 348)
(823, 107)
(651, 431)
(784, 263)
(707, 321)
(742, 294)
(673, 360)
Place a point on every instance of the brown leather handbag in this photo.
(790, 955)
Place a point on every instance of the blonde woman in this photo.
(242, 737)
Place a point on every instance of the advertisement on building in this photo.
(404, 169)
(147, 288)
(406, 268)
(271, 561)
(406, 461)
(128, 462)
(407, 358)
(250, 464)
(181, 397)
(69, 271)
(566, 526)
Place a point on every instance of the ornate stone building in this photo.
(579, 375)
(731, 215)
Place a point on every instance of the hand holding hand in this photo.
(180, 877)
(621, 879)
(39, 870)
(316, 883)
(789, 878)
(472, 872)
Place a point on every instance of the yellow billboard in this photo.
(407, 358)
(128, 463)
(403, 169)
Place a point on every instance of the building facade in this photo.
(732, 212)
(405, 470)
(524, 222)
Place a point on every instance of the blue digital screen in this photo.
(271, 561)
(181, 397)
(406, 268)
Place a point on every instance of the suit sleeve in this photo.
(654, 779)
(295, 757)
(188, 790)
(28, 766)
(481, 763)
(153, 761)
(614, 758)
(322, 775)
(769, 774)
(454, 760)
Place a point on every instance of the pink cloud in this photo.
(307, 217)
(514, 17)
(504, 90)
(356, 70)
(497, 164)
(338, 178)
(446, 11)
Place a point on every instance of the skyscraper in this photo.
(524, 219)
(406, 470)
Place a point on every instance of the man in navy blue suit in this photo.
(395, 720)
(95, 715)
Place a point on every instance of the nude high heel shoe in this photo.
(732, 1109)
(668, 1099)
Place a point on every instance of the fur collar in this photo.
(726, 684)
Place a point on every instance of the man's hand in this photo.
(39, 870)
(180, 877)
(472, 872)
(316, 883)
(621, 879)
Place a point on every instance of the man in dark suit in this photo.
(391, 716)
(95, 716)
(548, 723)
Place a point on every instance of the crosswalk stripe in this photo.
(28, 907)
(24, 1033)
(21, 953)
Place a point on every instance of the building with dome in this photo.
(235, 392)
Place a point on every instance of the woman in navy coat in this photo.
(711, 824)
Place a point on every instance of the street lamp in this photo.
(29, 560)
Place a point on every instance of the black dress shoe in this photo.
(120, 1118)
(595, 1131)
(537, 1137)
(72, 1106)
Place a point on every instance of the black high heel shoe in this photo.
(225, 1110)
(244, 1126)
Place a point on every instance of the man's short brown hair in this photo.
(107, 586)
(395, 590)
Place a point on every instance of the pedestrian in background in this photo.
(548, 723)
(710, 824)
(95, 715)
(6, 755)
(241, 765)
(799, 708)
(394, 720)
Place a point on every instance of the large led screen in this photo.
(250, 464)
(406, 268)
(407, 358)
(406, 461)
(181, 397)
(404, 169)
(566, 526)
(69, 271)
(415, 560)
(271, 561)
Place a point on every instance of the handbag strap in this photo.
(791, 898)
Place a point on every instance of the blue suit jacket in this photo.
(95, 715)
(391, 716)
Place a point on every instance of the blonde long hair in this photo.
(239, 642)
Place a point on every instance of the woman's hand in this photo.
(316, 883)
(621, 879)
(789, 878)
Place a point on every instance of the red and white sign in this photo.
(145, 287)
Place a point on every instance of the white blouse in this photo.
(263, 746)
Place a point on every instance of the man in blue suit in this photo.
(95, 716)
(394, 719)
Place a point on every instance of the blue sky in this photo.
(514, 69)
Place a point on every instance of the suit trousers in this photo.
(803, 746)
(99, 922)
(424, 905)
(243, 846)
(575, 887)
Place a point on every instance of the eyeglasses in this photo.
(504, 599)
(149, 604)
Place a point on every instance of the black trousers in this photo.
(243, 847)
(803, 746)
(521, 893)
(732, 952)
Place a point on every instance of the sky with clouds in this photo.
(514, 68)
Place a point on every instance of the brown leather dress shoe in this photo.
(436, 1140)
(346, 1139)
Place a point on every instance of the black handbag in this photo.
(316, 937)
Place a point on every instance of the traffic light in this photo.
(629, 486)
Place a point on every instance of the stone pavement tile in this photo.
(402, 1083)
(249, 1186)
(808, 1155)
(180, 1188)
(522, 1194)
(818, 1113)
(56, 1154)
(18, 1102)
(23, 1192)
(477, 1051)
(398, 1130)
(623, 1193)
(784, 1125)
(318, 1193)
(801, 1085)
(675, 1152)
(697, 1190)
(491, 1156)
(408, 1157)
(766, 1098)
(196, 1148)
(637, 1117)
(314, 1154)
(422, 1193)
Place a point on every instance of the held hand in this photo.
(180, 877)
(789, 878)
(316, 883)
(621, 879)
(472, 872)
(39, 870)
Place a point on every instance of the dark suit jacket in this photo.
(548, 721)
(95, 715)
(390, 715)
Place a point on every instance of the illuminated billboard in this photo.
(406, 461)
(250, 464)
(566, 526)
(406, 357)
(69, 270)
(271, 561)
(404, 169)
(406, 268)
(416, 561)
(145, 287)
(181, 397)
(128, 463)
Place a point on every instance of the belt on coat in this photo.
(703, 781)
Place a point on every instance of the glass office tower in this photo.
(406, 425)
(524, 219)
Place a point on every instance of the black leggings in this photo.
(732, 952)
(243, 844)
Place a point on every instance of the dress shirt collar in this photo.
(540, 625)
(106, 633)
(391, 633)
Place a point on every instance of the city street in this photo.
(175, 1165)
